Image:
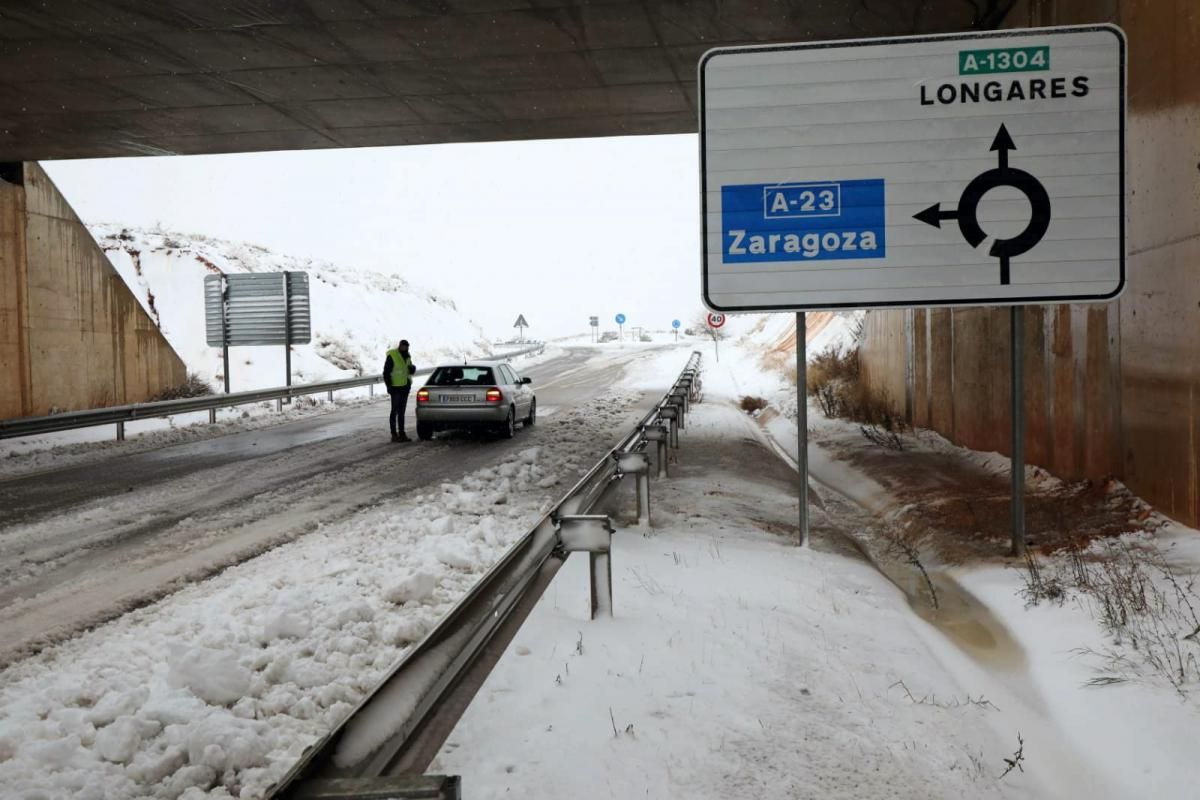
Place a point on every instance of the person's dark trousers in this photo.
(399, 406)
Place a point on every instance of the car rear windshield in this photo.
(462, 376)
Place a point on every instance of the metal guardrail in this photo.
(119, 415)
(397, 730)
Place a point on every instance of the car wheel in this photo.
(532, 418)
(510, 425)
(424, 431)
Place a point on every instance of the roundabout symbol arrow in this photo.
(967, 213)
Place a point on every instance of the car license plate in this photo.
(456, 398)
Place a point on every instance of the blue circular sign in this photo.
(674, 323)
(620, 319)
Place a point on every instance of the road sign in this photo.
(620, 319)
(969, 169)
(675, 323)
(520, 323)
(594, 321)
(715, 320)
(258, 308)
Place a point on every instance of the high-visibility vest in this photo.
(399, 376)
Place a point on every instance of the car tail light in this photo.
(422, 395)
(494, 396)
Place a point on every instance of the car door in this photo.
(519, 390)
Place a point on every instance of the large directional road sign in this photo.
(969, 169)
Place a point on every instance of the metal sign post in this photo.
(521, 325)
(620, 328)
(595, 324)
(802, 422)
(715, 321)
(287, 335)
(675, 328)
(965, 169)
(1017, 353)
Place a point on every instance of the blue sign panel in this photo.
(620, 319)
(674, 323)
(816, 221)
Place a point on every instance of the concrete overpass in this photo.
(123, 78)
(1113, 389)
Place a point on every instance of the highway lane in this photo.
(88, 542)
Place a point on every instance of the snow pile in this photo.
(216, 690)
(356, 314)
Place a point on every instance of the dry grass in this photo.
(835, 379)
(1143, 604)
(751, 404)
(193, 386)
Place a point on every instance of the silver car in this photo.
(481, 394)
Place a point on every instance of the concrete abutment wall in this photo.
(72, 335)
(1111, 389)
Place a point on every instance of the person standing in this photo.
(398, 371)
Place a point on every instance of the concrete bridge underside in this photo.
(128, 77)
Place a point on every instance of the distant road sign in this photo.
(620, 319)
(594, 321)
(520, 323)
(674, 323)
(716, 320)
(829, 168)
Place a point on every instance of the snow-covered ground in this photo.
(356, 314)
(737, 665)
(1121, 722)
(215, 690)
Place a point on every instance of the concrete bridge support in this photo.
(1110, 389)
(72, 334)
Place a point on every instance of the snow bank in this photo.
(216, 690)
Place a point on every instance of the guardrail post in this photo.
(212, 416)
(671, 414)
(592, 534)
(681, 396)
(279, 405)
(659, 435)
(331, 395)
(638, 465)
(120, 431)
(371, 390)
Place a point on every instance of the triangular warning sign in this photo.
(520, 323)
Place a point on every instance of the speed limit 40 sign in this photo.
(716, 320)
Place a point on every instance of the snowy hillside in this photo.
(356, 315)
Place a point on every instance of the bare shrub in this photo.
(192, 386)
(835, 380)
(1039, 587)
(1143, 604)
(751, 404)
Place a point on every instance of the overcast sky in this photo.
(555, 230)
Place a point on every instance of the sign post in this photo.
(715, 321)
(802, 423)
(521, 325)
(675, 328)
(595, 324)
(973, 169)
(621, 328)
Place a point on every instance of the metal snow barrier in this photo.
(401, 724)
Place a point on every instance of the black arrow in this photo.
(1002, 144)
(934, 215)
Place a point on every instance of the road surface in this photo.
(85, 543)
